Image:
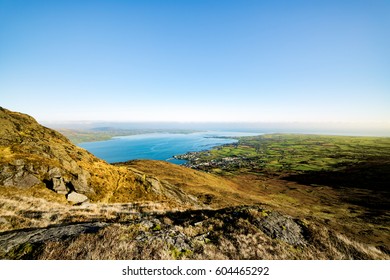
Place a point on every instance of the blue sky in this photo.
(197, 61)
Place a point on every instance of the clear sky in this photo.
(216, 60)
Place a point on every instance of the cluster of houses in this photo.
(196, 160)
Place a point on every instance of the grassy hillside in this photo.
(272, 196)
(340, 181)
(31, 155)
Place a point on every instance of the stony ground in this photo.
(243, 232)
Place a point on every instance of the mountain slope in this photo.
(31, 155)
(212, 190)
(134, 211)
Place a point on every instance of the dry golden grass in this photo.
(5, 153)
(212, 190)
(121, 240)
(39, 207)
(333, 228)
(112, 243)
(321, 204)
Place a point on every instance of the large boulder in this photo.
(17, 173)
(76, 198)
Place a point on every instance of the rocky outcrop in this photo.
(31, 154)
(184, 233)
(59, 185)
(18, 173)
(23, 174)
(282, 227)
(11, 240)
(164, 189)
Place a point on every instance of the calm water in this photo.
(158, 146)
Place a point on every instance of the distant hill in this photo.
(77, 136)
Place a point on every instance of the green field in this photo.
(296, 153)
(342, 181)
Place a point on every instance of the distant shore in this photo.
(77, 136)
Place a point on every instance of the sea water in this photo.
(159, 146)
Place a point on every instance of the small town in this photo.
(197, 161)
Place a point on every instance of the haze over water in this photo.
(158, 146)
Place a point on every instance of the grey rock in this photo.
(59, 185)
(55, 173)
(172, 237)
(19, 162)
(77, 198)
(6, 172)
(27, 180)
(147, 224)
(16, 238)
(282, 227)
(21, 179)
(80, 182)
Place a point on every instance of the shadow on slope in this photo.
(364, 184)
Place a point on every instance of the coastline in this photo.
(158, 146)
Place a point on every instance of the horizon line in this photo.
(210, 122)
